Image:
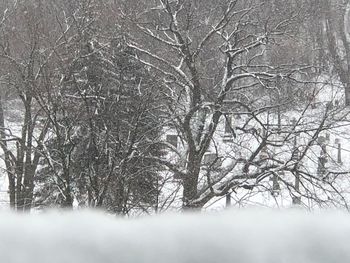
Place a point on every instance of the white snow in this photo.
(246, 236)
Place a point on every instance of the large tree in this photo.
(24, 56)
(330, 25)
(215, 60)
(104, 120)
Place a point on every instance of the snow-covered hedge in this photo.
(231, 236)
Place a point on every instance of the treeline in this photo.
(101, 84)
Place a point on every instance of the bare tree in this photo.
(332, 18)
(24, 59)
(215, 67)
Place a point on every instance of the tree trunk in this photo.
(68, 201)
(29, 187)
(347, 95)
(190, 184)
(7, 159)
(189, 193)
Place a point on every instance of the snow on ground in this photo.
(13, 119)
(246, 236)
(327, 90)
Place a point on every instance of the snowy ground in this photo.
(13, 119)
(171, 198)
(231, 236)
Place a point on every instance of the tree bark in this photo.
(8, 163)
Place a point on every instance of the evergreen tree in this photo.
(104, 129)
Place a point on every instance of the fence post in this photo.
(228, 199)
(337, 142)
(322, 159)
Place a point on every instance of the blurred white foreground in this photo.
(231, 236)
